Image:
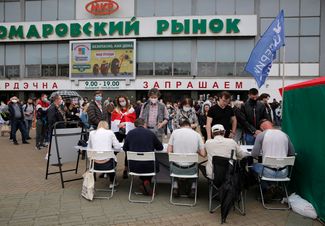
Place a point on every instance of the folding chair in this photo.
(141, 156)
(183, 158)
(276, 164)
(95, 155)
(219, 168)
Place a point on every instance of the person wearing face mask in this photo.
(253, 112)
(55, 113)
(41, 124)
(29, 109)
(17, 120)
(122, 121)
(154, 113)
(186, 112)
(96, 113)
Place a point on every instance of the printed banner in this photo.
(102, 59)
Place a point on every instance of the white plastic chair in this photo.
(277, 164)
(95, 155)
(142, 156)
(179, 159)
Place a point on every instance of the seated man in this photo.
(221, 146)
(272, 143)
(185, 140)
(141, 139)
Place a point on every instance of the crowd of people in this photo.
(214, 126)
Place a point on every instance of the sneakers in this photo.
(25, 142)
(15, 143)
(147, 187)
(111, 186)
(38, 148)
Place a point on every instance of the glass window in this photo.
(63, 53)
(310, 8)
(164, 8)
(145, 68)
(225, 7)
(163, 68)
(205, 7)
(49, 10)
(291, 26)
(145, 51)
(163, 51)
(49, 53)
(49, 59)
(292, 50)
(33, 60)
(182, 51)
(12, 57)
(32, 10)
(182, 7)
(145, 7)
(2, 54)
(309, 49)
(182, 68)
(243, 49)
(12, 54)
(2, 11)
(244, 7)
(269, 8)
(290, 7)
(265, 23)
(63, 60)
(2, 60)
(240, 66)
(225, 51)
(225, 69)
(206, 69)
(66, 9)
(206, 50)
(12, 11)
(309, 26)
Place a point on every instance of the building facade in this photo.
(183, 47)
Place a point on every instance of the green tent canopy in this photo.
(303, 119)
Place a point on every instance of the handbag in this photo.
(88, 186)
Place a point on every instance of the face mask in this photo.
(98, 98)
(14, 101)
(153, 100)
(44, 99)
(123, 103)
(186, 108)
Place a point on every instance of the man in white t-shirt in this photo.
(221, 146)
(186, 141)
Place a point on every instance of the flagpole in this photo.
(283, 74)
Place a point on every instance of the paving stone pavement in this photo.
(26, 198)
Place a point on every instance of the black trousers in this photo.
(106, 166)
(120, 137)
(18, 124)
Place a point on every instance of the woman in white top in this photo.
(104, 139)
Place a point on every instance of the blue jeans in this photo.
(267, 172)
(28, 123)
(249, 139)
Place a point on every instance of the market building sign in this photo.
(130, 28)
(102, 7)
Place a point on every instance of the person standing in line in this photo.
(203, 119)
(264, 98)
(17, 120)
(29, 109)
(95, 110)
(222, 113)
(122, 121)
(155, 114)
(186, 111)
(41, 124)
(253, 112)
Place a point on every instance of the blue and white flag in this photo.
(262, 56)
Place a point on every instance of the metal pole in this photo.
(283, 74)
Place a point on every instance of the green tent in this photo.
(304, 121)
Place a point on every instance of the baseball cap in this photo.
(217, 128)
